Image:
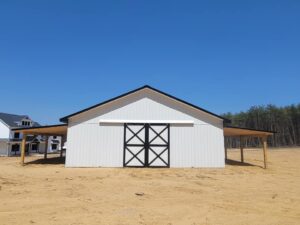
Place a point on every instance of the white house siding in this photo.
(42, 145)
(4, 135)
(3, 148)
(12, 133)
(4, 130)
(94, 145)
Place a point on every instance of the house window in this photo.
(54, 146)
(15, 148)
(34, 147)
(26, 123)
(54, 137)
(16, 135)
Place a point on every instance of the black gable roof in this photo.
(13, 120)
(65, 119)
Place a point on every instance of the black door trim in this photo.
(146, 144)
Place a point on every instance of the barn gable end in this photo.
(144, 104)
(93, 144)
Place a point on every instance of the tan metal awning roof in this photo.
(238, 131)
(52, 130)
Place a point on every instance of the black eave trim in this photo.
(65, 119)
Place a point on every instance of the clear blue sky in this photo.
(57, 57)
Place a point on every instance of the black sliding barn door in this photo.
(146, 145)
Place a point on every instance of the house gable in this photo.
(4, 130)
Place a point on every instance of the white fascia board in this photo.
(188, 122)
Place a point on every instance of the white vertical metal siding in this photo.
(199, 146)
(93, 145)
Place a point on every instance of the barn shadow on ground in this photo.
(238, 163)
(61, 160)
(48, 161)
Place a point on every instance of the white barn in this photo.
(144, 128)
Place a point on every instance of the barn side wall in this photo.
(93, 145)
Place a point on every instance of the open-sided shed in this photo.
(47, 131)
(243, 133)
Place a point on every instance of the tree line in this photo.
(284, 120)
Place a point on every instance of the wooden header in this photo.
(235, 131)
(53, 130)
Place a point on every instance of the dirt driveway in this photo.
(239, 194)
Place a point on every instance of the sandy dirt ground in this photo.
(48, 193)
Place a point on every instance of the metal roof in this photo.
(13, 120)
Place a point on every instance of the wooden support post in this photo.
(61, 146)
(242, 148)
(264, 142)
(23, 146)
(46, 147)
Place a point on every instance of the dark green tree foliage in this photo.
(284, 120)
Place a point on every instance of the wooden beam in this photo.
(44, 134)
(23, 146)
(46, 147)
(242, 148)
(265, 145)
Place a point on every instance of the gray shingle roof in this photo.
(15, 120)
